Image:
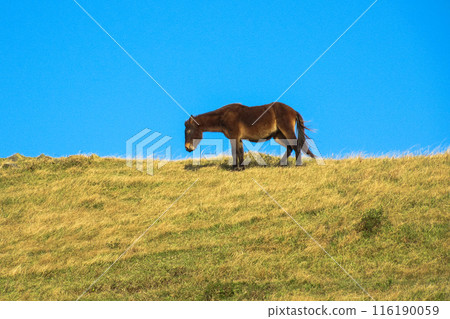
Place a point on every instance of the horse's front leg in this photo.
(234, 154)
(240, 157)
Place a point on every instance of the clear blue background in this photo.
(66, 88)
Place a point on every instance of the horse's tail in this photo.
(301, 140)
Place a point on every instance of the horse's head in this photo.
(192, 134)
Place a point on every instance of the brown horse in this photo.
(239, 122)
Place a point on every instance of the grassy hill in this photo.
(385, 220)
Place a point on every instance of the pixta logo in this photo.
(148, 143)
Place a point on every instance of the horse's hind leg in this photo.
(284, 158)
(281, 139)
(289, 132)
(289, 150)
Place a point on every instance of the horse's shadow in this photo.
(225, 164)
(196, 167)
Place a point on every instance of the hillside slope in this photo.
(64, 221)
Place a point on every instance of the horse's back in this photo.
(259, 113)
(271, 112)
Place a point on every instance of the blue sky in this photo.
(67, 88)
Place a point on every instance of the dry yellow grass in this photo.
(64, 221)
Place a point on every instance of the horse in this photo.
(256, 124)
